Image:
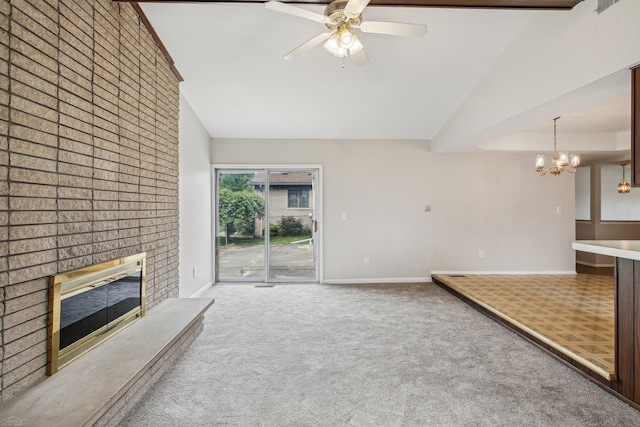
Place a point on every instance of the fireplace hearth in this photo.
(88, 305)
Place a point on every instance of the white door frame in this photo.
(319, 210)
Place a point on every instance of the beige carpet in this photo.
(366, 355)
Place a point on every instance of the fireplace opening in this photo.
(88, 305)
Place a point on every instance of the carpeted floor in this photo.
(366, 355)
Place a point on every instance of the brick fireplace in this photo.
(88, 161)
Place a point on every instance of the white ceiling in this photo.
(230, 56)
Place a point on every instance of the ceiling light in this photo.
(346, 38)
(332, 45)
(623, 187)
(356, 47)
(343, 42)
(561, 161)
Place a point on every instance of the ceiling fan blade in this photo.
(360, 58)
(307, 46)
(355, 7)
(296, 11)
(394, 28)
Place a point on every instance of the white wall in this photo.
(492, 202)
(496, 203)
(613, 205)
(556, 54)
(195, 203)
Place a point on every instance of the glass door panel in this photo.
(291, 202)
(240, 245)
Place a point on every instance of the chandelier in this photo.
(562, 162)
(624, 187)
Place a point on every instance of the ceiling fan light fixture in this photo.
(335, 47)
(342, 18)
(332, 44)
(356, 47)
(346, 38)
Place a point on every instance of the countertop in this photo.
(629, 249)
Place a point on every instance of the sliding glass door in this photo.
(291, 208)
(266, 225)
(240, 253)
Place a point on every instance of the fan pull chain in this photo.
(343, 62)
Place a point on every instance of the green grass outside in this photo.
(252, 241)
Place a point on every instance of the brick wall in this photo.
(279, 207)
(88, 161)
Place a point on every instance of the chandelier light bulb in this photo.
(575, 161)
(539, 162)
(563, 160)
(624, 187)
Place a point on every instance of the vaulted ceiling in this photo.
(230, 56)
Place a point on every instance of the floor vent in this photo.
(457, 275)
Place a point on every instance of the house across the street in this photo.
(291, 194)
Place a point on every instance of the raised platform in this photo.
(570, 316)
(101, 386)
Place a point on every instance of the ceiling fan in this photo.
(342, 17)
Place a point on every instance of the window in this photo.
(583, 193)
(298, 199)
(613, 205)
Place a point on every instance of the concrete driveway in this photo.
(288, 261)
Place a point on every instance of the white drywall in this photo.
(615, 206)
(195, 203)
(497, 204)
(491, 202)
(555, 56)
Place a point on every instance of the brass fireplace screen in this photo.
(88, 305)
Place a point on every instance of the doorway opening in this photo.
(267, 224)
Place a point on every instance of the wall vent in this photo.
(605, 4)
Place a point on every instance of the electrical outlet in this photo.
(481, 254)
(195, 271)
(343, 216)
(366, 261)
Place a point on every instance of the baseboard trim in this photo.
(204, 289)
(377, 280)
(501, 272)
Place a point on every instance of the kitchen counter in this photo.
(628, 249)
